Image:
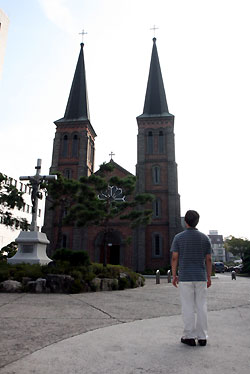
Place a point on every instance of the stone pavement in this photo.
(132, 331)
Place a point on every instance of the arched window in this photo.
(67, 173)
(157, 208)
(92, 152)
(150, 142)
(64, 241)
(65, 146)
(156, 174)
(75, 146)
(157, 245)
(161, 142)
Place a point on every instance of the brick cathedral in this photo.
(156, 172)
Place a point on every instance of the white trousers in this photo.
(194, 309)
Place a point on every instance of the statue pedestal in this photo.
(31, 248)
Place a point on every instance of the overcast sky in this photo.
(203, 47)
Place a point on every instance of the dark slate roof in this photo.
(77, 106)
(155, 104)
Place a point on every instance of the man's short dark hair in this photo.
(192, 218)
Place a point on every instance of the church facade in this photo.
(156, 172)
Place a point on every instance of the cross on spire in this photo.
(111, 155)
(82, 33)
(154, 28)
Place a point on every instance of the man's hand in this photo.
(209, 283)
(175, 257)
(175, 281)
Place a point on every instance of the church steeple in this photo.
(77, 106)
(155, 104)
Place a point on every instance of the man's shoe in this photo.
(188, 341)
(202, 342)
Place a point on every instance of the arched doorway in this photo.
(114, 248)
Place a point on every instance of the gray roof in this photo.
(77, 106)
(155, 100)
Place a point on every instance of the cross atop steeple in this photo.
(82, 33)
(154, 28)
(111, 155)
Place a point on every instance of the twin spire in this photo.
(155, 104)
(155, 100)
(77, 108)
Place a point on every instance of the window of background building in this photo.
(161, 142)
(64, 241)
(67, 173)
(157, 245)
(65, 146)
(156, 174)
(150, 142)
(75, 146)
(157, 208)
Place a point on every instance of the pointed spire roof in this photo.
(155, 104)
(77, 107)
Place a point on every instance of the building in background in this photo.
(218, 250)
(4, 24)
(156, 172)
(9, 234)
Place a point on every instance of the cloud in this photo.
(59, 12)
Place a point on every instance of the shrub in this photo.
(4, 274)
(123, 283)
(76, 274)
(75, 258)
(62, 255)
(80, 258)
(115, 285)
(77, 286)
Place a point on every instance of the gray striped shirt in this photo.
(192, 246)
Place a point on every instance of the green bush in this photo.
(82, 274)
(80, 258)
(62, 255)
(77, 286)
(123, 283)
(4, 274)
(75, 258)
(115, 286)
(76, 274)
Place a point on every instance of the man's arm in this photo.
(174, 264)
(209, 269)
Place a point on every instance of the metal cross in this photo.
(154, 28)
(35, 182)
(82, 33)
(111, 154)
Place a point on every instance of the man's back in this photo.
(192, 247)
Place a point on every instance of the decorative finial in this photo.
(154, 28)
(111, 155)
(82, 33)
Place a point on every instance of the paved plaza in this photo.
(131, 332)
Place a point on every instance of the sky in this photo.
(203, 47)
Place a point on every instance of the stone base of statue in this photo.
(31, 248)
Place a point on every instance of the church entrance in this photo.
(113, 248)
(114, 254)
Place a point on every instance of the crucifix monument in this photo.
(32, 244)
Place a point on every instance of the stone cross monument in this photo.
(32, 244)
(35, 182)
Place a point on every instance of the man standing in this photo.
(191, 253)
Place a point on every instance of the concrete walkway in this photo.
(132, 331)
